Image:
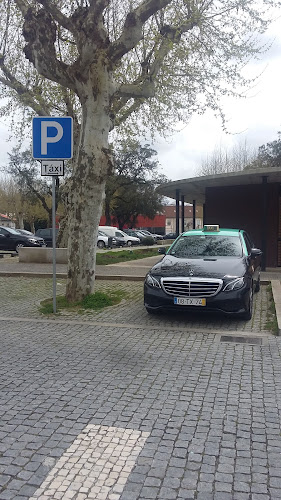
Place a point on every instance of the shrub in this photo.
(148, 240)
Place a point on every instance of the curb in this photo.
(276, 292)
(114, 277)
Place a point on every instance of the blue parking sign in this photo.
(52, 138)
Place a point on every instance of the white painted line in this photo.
(97, 465)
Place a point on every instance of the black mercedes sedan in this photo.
(213, 269)
(12, 239)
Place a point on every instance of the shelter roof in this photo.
(194, 188)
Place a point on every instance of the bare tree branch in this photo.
(145, 89)
(131, 109)
(61, 19)
(23, 6)
(132, 31)
(26, 95)
(40, 32)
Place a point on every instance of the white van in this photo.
(114, 232)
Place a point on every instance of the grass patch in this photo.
(271, 320)
(93, 302)
(102, 259)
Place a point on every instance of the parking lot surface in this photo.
(123, 405)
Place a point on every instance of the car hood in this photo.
(199, 267)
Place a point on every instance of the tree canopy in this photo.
(129, 63)
(269, 155)
(223, 159)
(131, 188)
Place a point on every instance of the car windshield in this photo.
(207, 245)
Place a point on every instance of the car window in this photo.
(2, 231)
(207, 246)
(119, 234)
(10, 230)
(249, 244)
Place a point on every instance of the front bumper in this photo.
(232, 302)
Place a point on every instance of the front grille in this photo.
(191, 287)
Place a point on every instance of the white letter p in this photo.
(44, 134)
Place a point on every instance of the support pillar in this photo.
(177, 211)
(264, 222)
(204, 214)
(194, 214)
(182, 214)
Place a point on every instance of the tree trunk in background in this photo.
(21, 224)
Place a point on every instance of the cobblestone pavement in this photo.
(119, 405)
(23, 295)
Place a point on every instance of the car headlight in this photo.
(234, 284)
(33, 240)
(151, 281)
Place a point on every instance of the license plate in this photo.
(184, 301)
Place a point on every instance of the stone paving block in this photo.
(206, 409)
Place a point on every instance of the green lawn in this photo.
(125, 255)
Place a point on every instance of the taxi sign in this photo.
(211, 227)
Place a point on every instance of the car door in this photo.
(4, 239)
(120, 235)
(254, 260)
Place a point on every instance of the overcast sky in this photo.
(256, 119)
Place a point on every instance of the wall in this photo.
(242, 207)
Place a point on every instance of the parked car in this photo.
(11, 239)
(121, 236)
(118, 242)
(103, 240)
(208, 270)
(170, 236)
(148, 233)
(129, 239)
(144, 239)
(47, 235)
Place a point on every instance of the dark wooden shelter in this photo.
(250, 200)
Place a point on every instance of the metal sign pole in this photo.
(54, 242)
(52, 149)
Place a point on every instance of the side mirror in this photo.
(162, 250)
(256, 252)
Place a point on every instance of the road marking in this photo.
(96, 465)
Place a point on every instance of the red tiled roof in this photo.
(3, 216)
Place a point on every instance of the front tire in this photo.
(247, 315)
(258, 284)
(129, 243)
(20, 244)
(101, 244)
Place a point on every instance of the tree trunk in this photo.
(87, 190)
(21, 224)
(107, 213)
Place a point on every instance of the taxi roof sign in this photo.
(211, 227)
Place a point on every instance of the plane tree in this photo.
(131, 187)
(131, 64)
